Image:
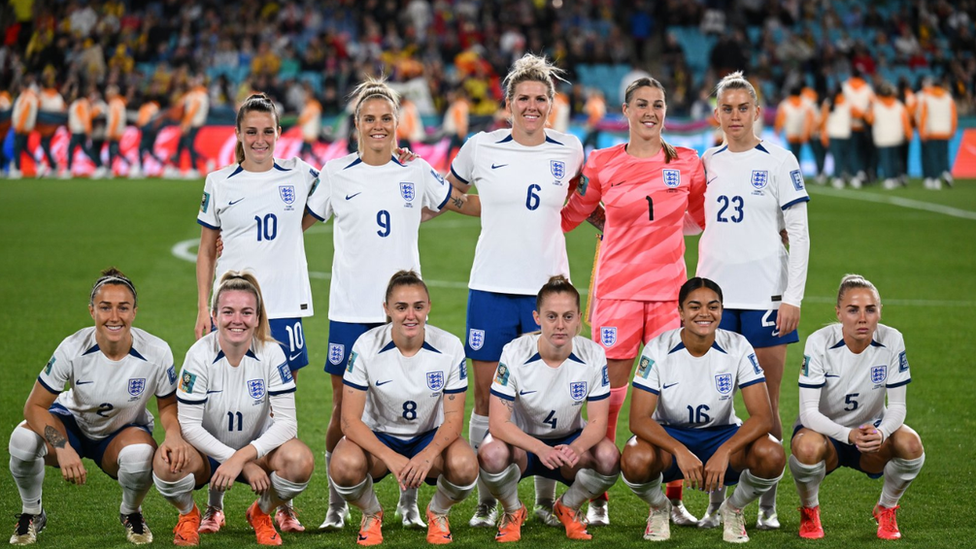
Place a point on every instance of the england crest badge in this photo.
(407, 191)
(879, 374)
(476, 338)
(137, 385)
(336, 353)
(435, 380)
(672, 178)
(558, 168)
(760, 178)
(255, 388)
(608, 335)
(723, 383)
(287, 194)
(577, 390)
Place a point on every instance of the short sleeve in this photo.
(813, 368)
(208, 205)
(504, 384)
(600, 383)
(320, 200)
(193, 382)
(166, 383)
(647, 377)
(311, 178)
(56, 373)
(463, 165)
(436, 190)
(789, 180)
(355, 374)
(748, 371)
(898, 371)
(457, 379)
(280, 380)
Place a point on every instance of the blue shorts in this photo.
(290, 336)
(758, 327)
(534, 466)
(84, 446)
(847, 455)
(407, 448)
(494, 320)
(213, 469)
(341, 337)
(703, 443)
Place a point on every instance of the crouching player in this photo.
(684, 421)
(402, 413)
(535, 416)
(848, 370)
(232, 380)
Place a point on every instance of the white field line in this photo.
(894, 201)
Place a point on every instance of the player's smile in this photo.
(113, 313)
(236, 318)
(646, 111)
(258, 136)
(701, 312)
(408, 308)
(530, 107)
(377, 125)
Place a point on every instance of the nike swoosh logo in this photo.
(831, 375)
(351, 196)
(212, 392)
(523, 393)
(496, 166)
(378, 383)
(666, 386)
(231, 203)
(83, 382)
(290, 357)
(615, 184)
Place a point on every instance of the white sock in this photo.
(807, 479)
(448, 494)
(716, 498)
(361, 495)
(179, 492)
(135, 476)
(408, 498)
(477, 429)
(504, 486)
(545, 490)
(335, 498)
(588, 484)
(898, 475)
(750, 488)
(27, 451)
(649, 492)
(284, 490)
(767, 501)
(215, 498)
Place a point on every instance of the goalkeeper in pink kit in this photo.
(647, 186)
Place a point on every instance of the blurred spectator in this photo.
(24, 117)
(51, 103)
(890, 129)
(80, 125)
(596, 110)
(937, 122)
(310, 121)
(115, 127)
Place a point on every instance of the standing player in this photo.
(848, 371)
(256, 208)
(231, 381)
(646, 186)
(937, 122)
(523, 176)
(684, 420)
(113, 371)
(378, 204)
(755, 190)
(403, 411)
(536, 420)
(24, 116)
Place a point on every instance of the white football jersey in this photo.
(106, 395)
(259, 216)
(377, 211)
(696, 392)
(522, 191)
(741, 248)
(549, 401)
(237, 401)
(404, 394)
(853, 386)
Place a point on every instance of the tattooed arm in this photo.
(459, 202)
(42, 422)
(598, 218)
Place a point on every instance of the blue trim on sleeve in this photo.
(388, 347)
(446, 198)
(184, 401)
(648, 389)
(282, 392)
(48, 387)
(794, 202)
(313, 214)
(458, 177)
(502, 396)
(753, 382)
(809, 386)
(597, 398)
(167, 395)
(208, 225)
(899, 384)
(236, 171)
(354, 386)
(455, 391)
(430, 348)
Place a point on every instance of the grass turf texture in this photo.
(57, 235)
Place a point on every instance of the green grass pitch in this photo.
(918, 246)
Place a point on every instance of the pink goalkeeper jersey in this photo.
(642, 254)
